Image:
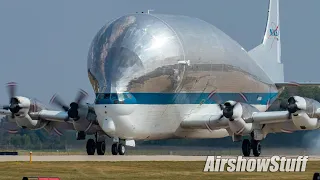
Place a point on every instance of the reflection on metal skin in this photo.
(140, 53)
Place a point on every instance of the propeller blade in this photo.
(56, 100)
(242, 98)
(283, 105)
(221, 106)
(80, 96)
(11, 86)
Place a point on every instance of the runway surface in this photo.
(123, 158)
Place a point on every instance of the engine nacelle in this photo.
(24, 103)
(87, 118)
(304, 112)
(27, 123)
(240, 127)
(307, 105)
(22, 117)
(302, 121)
(240, 112)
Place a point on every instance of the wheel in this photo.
(114, 149)
(256, 147)
(246, 147)
(91, 147)
(121, 149)
(316, 176)
(101, 147)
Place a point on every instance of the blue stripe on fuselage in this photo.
(185, 98)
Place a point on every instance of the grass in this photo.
(137, 170)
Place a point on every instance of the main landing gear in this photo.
(254, 145)
(93, 145)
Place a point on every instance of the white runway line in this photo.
(123, 158)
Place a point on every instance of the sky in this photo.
(44, 44)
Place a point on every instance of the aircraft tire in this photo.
(316, 176)
(246, 147)
(101, 148)
(91, 147)
(121, 149)
(256, 147)
(114, 149)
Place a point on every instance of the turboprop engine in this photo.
(20, 107)
(304, 112)
(237, 112)
(83, 115)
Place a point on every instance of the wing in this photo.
(50, 115)
(216, 121)
(242, 119)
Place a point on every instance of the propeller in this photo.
(283, 105)
(14, 105)
(292, 106)
(228, 107)
(228, 110)
(72, 109)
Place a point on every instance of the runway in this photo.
(123, 158)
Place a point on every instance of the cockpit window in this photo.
(120, 97)
(128, 96)
(100, 96)
(106, 96)
(114, 96)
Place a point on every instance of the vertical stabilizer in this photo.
(268, 54)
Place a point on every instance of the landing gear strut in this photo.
(254, 145)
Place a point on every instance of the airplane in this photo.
(160, 76)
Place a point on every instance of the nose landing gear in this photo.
(118, 148)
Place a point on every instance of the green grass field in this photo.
(136, 170)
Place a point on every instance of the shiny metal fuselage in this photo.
(172, 66)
